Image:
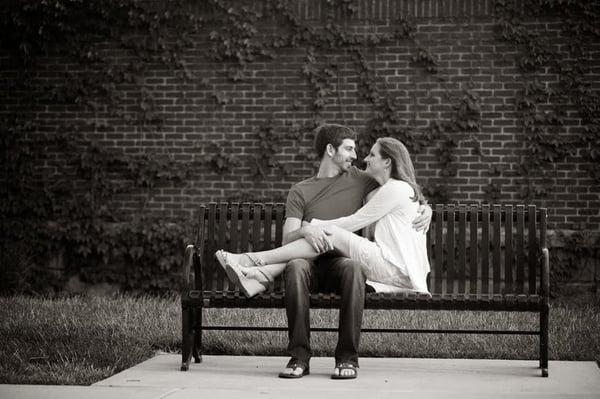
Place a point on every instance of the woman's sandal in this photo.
(293, 367)
(342, 366)
(249, 286)
(265, 278)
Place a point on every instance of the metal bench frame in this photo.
(489, 258)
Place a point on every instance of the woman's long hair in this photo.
(402, 166)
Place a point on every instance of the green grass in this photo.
(81, 340)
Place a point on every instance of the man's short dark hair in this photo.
(331, 134)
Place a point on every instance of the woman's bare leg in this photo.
(275, 259)
(302, 249)
(264, 274)
(293, 250)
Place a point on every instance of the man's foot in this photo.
(295, 369)
(344, 371)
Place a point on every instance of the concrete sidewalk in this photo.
(247, 377)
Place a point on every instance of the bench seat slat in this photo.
(233, 299)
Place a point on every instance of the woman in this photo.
(397, 258)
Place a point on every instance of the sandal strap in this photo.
(345, 365)
(255, 259)
(294, 364)
(267, 275)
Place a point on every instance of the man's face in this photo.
(345, 154)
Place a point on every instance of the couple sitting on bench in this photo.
(321, 252)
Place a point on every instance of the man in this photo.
(337, 190)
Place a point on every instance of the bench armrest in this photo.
(186, 272)
(545, 288)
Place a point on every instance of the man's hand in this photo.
(317, 237)
(421, 222)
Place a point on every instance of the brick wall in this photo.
(210, 108)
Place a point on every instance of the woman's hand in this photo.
(317, 238)
(422, 222)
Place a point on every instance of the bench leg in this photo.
(187, 336)
(197, 349)
(544, 323)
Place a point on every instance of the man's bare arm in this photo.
(315, 236)
(291, 230)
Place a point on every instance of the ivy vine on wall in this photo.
(70, 205)
(544, 106)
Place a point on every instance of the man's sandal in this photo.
(293, 367)
(340, 368)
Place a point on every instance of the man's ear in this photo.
(330, 150)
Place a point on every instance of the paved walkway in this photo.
(248, 377)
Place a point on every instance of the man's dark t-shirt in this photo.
(331, 197)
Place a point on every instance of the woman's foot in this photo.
(258, 274)
(249, 265)
(242, 260)
(249, 286)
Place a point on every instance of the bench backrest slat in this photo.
(462, 248)
(496, 247)
(268, 231)
(508, 250)
(471, 249)
(485, 249)
(430, 238)
(210, 245)
(532, 244)
(200, 242)
(450, 246)
(520, 237)
(245, 227)
(279, 211)
(223, 236)
(234, 234)
(234, 231)
(256, 234)
(439, 246)
(474, 250)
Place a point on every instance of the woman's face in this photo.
(375, 164)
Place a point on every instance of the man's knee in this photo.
(297, 268)
(350, 268)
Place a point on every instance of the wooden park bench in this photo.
(483, 258)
